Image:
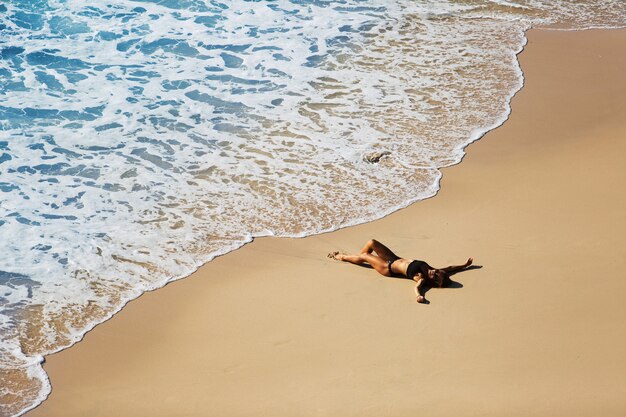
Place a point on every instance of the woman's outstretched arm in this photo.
(456, 268)
(419, 291)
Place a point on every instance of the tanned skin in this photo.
(378, 256)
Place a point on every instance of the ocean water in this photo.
(140, 139)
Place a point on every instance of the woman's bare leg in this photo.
(381, 250)
(374, 261)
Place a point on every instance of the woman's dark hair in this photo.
(442, 279)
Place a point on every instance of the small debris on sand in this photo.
(375, 157)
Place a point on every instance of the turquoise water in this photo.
(140, 139)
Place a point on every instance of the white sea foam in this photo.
(140, 139)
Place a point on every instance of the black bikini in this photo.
(389, 262)
(414, 268)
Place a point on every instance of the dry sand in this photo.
(277, 329)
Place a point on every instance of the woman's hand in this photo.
(418, 292)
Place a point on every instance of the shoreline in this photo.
(434, 188)
(394, 293)
(431, 191)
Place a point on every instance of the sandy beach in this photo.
(278, 329)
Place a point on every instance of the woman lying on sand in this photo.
(387, 263)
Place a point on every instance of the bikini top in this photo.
(415, 268)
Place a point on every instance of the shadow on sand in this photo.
(428, 286)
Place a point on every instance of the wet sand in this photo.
(278, 329)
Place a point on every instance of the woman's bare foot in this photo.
(421, 299)
(336, 256)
